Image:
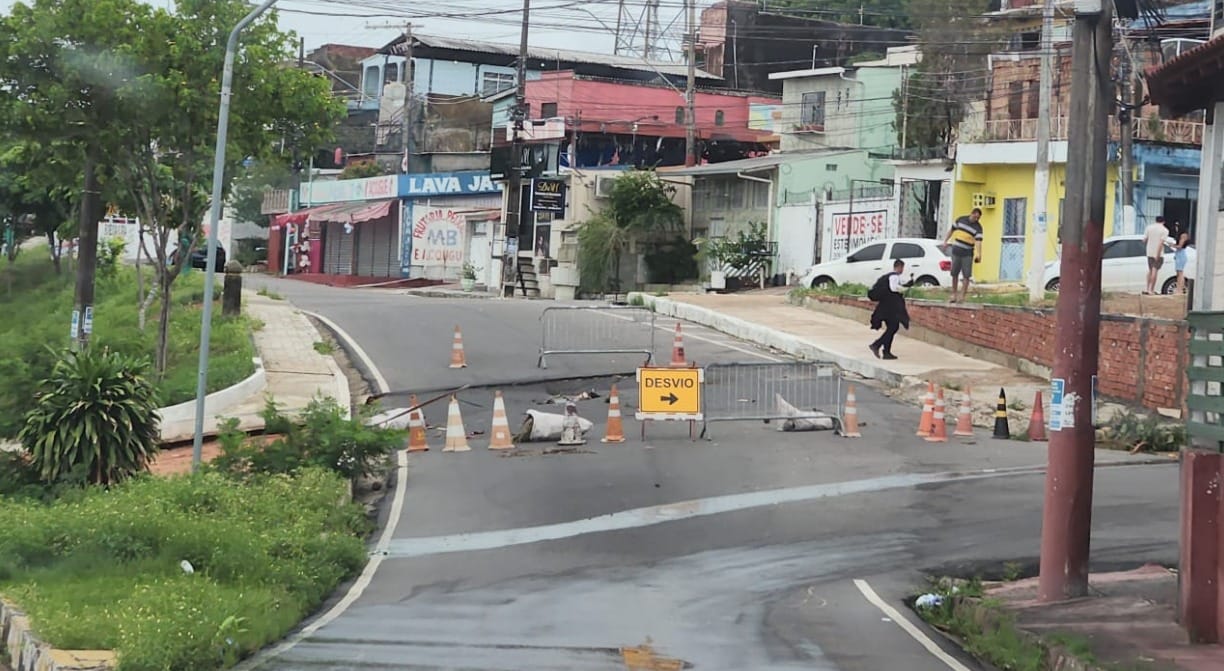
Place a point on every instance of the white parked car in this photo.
(1124, 267)
(926, 263)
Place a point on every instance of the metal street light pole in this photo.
(214, 216)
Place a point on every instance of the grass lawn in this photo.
(36, 314)
(102, 569)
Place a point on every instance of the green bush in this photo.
(101, 569)
(96, 415)
(322, 438)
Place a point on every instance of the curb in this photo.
(365, 367)
(435, 293)
(795, 346)
(215, 403)
(23, 650)
(1057, 657)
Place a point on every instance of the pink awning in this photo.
(352, 213)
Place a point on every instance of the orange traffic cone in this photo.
(418, 441)
(850, 427)
(1037, 427)
(500, 438)
(458, 359)
(615, 431)
(964, 421)
(928, 410)
(677, 360)
(456, 436)
(939, 424)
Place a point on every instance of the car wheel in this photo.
(823, 282)
(1170, 286)
(926, 281)
(1052, 285)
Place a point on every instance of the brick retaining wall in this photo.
(1142, 360)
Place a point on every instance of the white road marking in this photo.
(351, 343)
(634, 518)
(909, 627)
(671, 329)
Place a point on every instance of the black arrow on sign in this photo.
(670, 398)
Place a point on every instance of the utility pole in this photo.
(409, 82)
(1126, 139)
(1041, 181)
(690, 90)
(1067, 516)
(514, 186)
(87, 253)
(904, 105)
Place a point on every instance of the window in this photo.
(1122, 249)
(1015, 100)
(719, 118)
(868, 253)
(496, 82)
(813, 113)
(906, 250)
(392, 73)
(548, 110)
(680, 115)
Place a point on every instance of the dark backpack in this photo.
(879, 290)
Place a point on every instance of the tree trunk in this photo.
(143, 313)
(54, 243)
(87, 250)
(163, 328)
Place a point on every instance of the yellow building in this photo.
(998, 177)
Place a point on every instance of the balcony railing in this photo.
(1173, 131)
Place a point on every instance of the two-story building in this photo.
(995, 160)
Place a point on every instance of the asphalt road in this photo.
(739, 552)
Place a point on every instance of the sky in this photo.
(560, 24)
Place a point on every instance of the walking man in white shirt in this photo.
(1154, 237)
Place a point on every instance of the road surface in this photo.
(754, 550)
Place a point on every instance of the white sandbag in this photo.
(399, 419)
(794, 422)
(548, 425)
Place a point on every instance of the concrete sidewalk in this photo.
(295, 371)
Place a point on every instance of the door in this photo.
(1123, 265)
(916, 263)
(1011, 259)
(337, 250)
(796, 233)
(864, 266)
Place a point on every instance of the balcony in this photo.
(1171, 131)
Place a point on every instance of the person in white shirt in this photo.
(1154, 238)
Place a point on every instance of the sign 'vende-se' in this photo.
(670, 393)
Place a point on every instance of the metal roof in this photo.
(817, 72)
(751, 164)
(546, 54)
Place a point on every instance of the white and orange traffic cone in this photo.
(928, 410)
(939, 423)
(615, 431)
(456, 436)
(850, 426)
(677, 360)
(500, 437)
(418, 441)
(964, 421)
(458, 358)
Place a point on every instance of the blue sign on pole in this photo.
(1056, 404)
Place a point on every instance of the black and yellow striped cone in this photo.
(1001, 429)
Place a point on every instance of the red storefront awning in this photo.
(352, 213)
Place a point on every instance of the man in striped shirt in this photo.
(965, 241)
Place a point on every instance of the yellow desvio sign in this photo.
(669, 393)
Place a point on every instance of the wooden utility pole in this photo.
(1126, 139)
(87, 253)
(409, 77)
(690, 90)
(514, 183)
(1041, 181)
(1067, 516)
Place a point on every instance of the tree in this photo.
(165, 161)
(639, 207)
(882, 13)
(37, 183)
(246, 204)
(62, 66)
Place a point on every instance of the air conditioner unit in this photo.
(985, 201)
(603, 186)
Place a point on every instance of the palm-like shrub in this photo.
(95, 417)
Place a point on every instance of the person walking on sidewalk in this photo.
(890, 310)
(965, 240)
(1154, 238)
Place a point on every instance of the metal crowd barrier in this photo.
(750, 391)
(609, 329)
